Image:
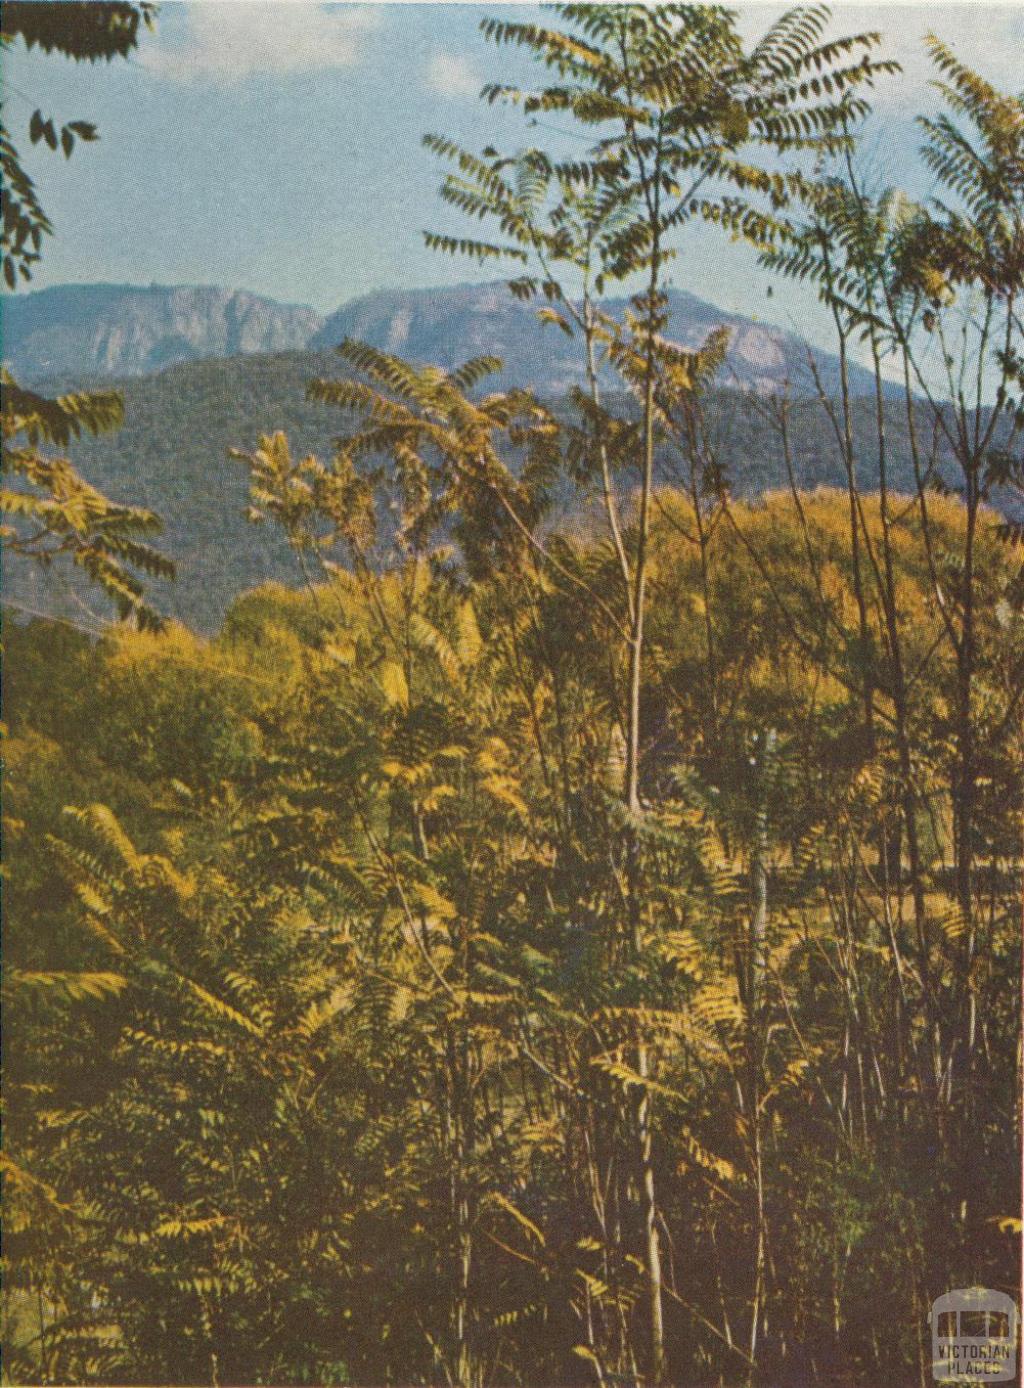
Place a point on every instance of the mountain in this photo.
(121, 330)
(444, 327)
(225, 390)
(77, 331)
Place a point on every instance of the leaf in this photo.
(585, 1353)
(324, 1010)
(700, 1156)
(222, 1008)
(433, 903)
(342, 650)
(73, 986)
(550, 315)
(469, 643)
(684, 950)
(179, 1228)
(505, 789)
(391, 678)
(522, 1220)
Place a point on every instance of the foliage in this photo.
(357, 929)
(179, 424)
(542, 951)
(78, 31)
(55, 512)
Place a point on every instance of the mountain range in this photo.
(120, 330)
(79, 332)
(242, 368)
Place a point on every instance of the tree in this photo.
(687, 120)
(343, 822)
(933, 291)
(367, 1031)
(84, 33)
(52, 510)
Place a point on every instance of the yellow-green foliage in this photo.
(541, 952)
(363, 937)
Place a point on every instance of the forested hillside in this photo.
(171, 455)
(569, 930)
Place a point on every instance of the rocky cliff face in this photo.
(83, 331)
(125, 331)
(447, 326)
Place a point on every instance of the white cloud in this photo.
(227, 40)
(985, 36)
(453, 75)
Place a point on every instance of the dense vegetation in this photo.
(350, 1054)
(539, 951)
(171, 455)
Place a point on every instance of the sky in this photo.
(277, 147)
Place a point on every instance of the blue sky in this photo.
(276, 147)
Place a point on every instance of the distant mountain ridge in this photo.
(123, 330)
(98, 331)
(445, 327)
